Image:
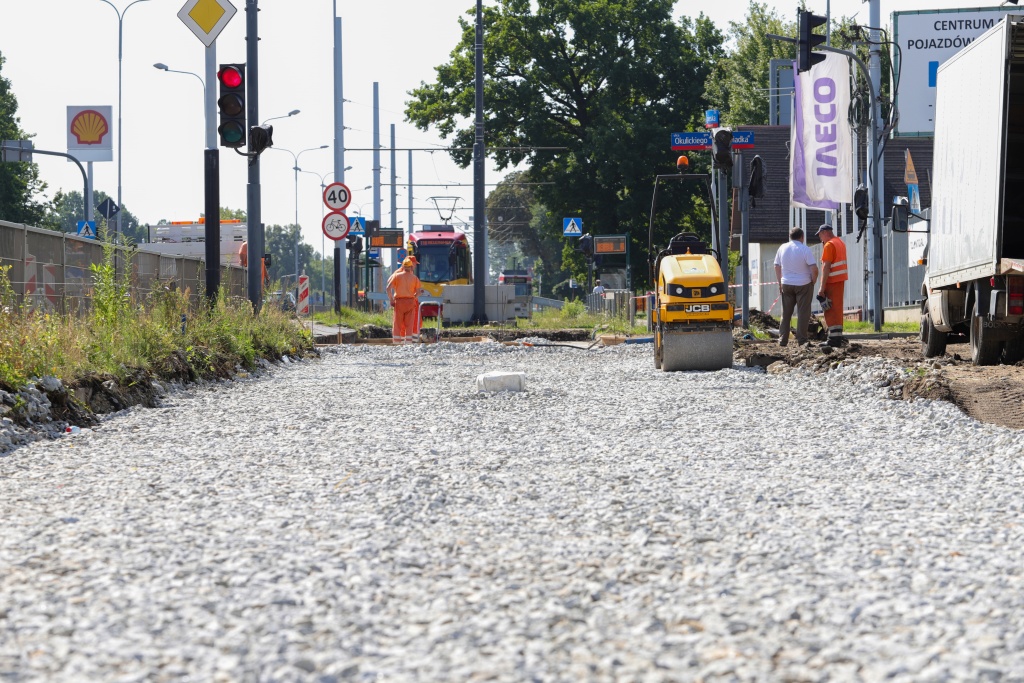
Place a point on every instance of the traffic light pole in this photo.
(211, 167)
(254, 226)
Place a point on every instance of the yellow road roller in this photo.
(692, 317)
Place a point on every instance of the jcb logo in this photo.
(697, 308)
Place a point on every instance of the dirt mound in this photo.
(991, 394)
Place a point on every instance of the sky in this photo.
(62, 53)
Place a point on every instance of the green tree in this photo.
(227, 214)
(67, 208)
(280, 244)
(585, 94)
(738, 86)
(20, 186)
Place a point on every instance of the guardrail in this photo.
(544, 302)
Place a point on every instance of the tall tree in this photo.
(280, 244)
(516, 217)
(586, 94)
(20, 186)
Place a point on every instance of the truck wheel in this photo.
(984, 350)
(933, 342)
(1013, 351)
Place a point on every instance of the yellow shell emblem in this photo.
(89, 127)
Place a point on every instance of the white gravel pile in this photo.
(371, 516)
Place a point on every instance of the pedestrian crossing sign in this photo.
(572, 227)
(87, 229)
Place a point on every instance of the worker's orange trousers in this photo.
(834, 315)
(406, 328)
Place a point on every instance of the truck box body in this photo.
(977, 227)
(189, 239)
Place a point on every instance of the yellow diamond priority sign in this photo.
(206, 18)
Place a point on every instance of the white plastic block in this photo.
(501, 381)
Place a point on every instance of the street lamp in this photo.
(163, 67)
(293, 112)
(120, 133)
(295, 159)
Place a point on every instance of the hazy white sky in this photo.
(64, 52)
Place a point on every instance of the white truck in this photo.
(974, 281)
(185, 238)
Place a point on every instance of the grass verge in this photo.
(120, 335)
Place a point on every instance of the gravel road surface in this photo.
(371, 517)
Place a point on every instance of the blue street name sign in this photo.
(742, 139)
(683, 142)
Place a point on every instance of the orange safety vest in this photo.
(405, 283)
(834, 252)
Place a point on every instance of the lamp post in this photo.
(120, 130)
(293, 112)
(163, 67)
(295, 167)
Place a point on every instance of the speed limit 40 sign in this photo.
(337, 196)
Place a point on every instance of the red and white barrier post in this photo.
(303, 306)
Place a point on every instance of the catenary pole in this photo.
(340, 271)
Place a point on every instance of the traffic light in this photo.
(260, 137)
(354, 244)
(721, 149)
(231, 105)
(587, 244)
(807, 40)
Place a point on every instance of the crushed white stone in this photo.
(371, 516)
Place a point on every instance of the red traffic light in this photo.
(230, 77)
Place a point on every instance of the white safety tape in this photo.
(755, 285)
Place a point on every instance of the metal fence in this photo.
(612, 302)
(51, 270)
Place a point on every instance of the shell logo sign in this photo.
(89, 127)
(88, 131)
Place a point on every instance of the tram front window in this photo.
(436, 263)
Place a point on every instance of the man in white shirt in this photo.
(598, 287)
(796, 271)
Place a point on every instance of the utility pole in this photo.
(479, 201)
(254, 225)
(876, 180)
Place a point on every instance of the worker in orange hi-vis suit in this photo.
(403, 291)
(243, 258)
(833, 280)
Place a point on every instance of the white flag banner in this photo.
(821, 153)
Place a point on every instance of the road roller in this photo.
(693, 318)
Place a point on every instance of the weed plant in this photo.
(120, 333)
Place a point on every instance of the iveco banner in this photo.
(821, 157)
